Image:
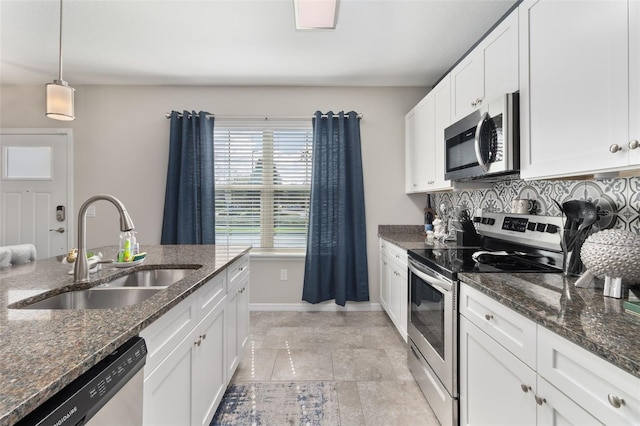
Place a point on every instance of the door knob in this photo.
(59, 230)
(634, 144)
(615, 148)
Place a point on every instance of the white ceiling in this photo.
(238, 42)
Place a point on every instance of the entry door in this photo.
(36, 189)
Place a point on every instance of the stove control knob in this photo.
(477, 219)
(552, 229)
(541, 227)
(531, 226)
(491, 221)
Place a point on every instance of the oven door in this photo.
(433, 325)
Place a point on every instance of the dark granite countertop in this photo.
(581, 315)
(44, 350)
(410, 237)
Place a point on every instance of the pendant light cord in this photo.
(60, 50)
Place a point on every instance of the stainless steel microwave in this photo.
(486, 143)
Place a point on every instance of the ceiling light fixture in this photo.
(59, 95)
(315, 14)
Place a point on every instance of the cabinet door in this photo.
(231, 340)
(495, 387)
(167, 395)
(403, 296)
(556, 409)
(384, 279)
(574, 92)
(466, 85)
(500, 59)
(394, 297)
(419, 136)
(442, 120)
(243, 315)
(210, 372)
(634, 82)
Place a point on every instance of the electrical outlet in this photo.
(283, 275)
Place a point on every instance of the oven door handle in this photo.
(432, 279)
(476, 141)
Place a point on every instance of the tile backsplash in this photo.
(617, 199)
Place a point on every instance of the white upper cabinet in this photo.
(488, 71)
(418, 137)
(424, 144)
(579, 76)
(441, 120)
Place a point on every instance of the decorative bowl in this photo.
(613, 253)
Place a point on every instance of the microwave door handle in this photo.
(443, 285)
(476, 141)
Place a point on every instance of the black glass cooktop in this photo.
(449, 262)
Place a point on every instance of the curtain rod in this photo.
(257, 117)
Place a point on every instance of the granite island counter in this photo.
(44, 350)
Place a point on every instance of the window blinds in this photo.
(263, 181)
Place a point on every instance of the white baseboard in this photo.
(324, 307)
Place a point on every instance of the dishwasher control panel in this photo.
(82, 398)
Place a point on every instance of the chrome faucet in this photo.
(81, 268)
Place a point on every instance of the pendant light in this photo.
(59, 95)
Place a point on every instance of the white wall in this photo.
(121, 139)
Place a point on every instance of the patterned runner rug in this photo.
(307, 403)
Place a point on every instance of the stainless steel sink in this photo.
(148, 278)
(96, 298)
(127, 290)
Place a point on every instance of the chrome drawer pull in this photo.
(615, 400)
(488, 317)
(525, 388)
(539, 400)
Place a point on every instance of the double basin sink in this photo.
(126, 290)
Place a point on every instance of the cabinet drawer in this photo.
(513, 331)
(237, 271)
(210, 294)
(164, 334)
(588, 379)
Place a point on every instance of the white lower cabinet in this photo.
(496, 388)
(565, 384)
(394, 286)
(237, 316)
(188, 364)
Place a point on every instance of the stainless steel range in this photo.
(509, 243)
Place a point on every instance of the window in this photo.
(263, 183)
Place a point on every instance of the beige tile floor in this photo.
(360, 351)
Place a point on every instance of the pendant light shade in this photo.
(59, 95)
(60, 101)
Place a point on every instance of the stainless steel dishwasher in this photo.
(110, 393)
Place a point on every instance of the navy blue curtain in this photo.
(336, 261)
(189, 203)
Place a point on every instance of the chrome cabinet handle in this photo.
(615, 400)
(539, 400)
(525, 388)
(59, 230)
(204, 336)
(615, 148)
(198, 343)
(488, 317)
(473, 104)
(479, 101)
(634, 144)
